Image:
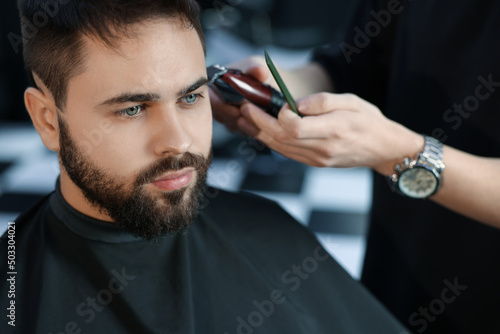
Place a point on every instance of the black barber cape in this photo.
(244, 266)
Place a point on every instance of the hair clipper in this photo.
(233, 86)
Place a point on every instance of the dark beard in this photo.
(137, 211)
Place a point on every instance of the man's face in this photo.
(136, 131)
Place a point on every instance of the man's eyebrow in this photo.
(197, 84)
(130, 97)
(150, 97)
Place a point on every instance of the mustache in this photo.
(171, 163)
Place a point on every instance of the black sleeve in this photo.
(360, 63)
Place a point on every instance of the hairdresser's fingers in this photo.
(268, 126)
(268, 130)
(319, 126)
(321, 152)
(307, 127)
(321, 103)
(259, 72)
(288, 128)
(225, 113)
(247, 126)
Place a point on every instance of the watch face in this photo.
(418, 182)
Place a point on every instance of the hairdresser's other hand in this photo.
(228, 114)
(337, 130)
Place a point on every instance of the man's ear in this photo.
(43, 113)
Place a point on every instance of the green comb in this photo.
(281, 84)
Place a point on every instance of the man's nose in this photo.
(170, 133)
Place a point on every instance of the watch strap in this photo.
(433, 153)
(432, 157)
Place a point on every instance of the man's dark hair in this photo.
(53, 32)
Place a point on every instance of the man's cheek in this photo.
(94, 133)
(205, 133)
(116, 159)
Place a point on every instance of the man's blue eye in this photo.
(132, 111)
(191, 98)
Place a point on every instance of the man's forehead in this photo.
(159, 55)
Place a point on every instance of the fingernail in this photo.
(244, 109)
(302, 105)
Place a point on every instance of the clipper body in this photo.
(233, 86)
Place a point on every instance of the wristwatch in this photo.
(420, 178)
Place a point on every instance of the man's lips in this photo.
(174, 180)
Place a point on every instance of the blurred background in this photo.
(333, 203)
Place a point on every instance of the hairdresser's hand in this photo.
(337, 130)
(229, 114)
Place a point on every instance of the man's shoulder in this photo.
(27, 219)
(243, 199)
(242, 204)
(249, 214)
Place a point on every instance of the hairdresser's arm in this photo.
(346, 131)
(471, 186)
